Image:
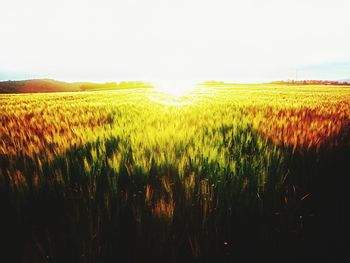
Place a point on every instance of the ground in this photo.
(224, 173)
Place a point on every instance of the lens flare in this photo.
(175, 88)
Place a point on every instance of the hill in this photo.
(48, 85)
(312, 82)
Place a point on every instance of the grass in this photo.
(229, 173)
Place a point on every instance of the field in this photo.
(228, 173)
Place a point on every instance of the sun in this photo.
(175, 88)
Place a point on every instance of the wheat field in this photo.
(225, 173)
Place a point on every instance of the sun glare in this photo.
(175, 88)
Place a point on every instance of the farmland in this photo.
(224, 173)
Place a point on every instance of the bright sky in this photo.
(241, 41)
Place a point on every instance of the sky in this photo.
(150, 40)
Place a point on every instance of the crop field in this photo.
(227, 173)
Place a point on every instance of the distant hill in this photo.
(48, 85)
(313, 82)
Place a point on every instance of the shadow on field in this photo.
(323, 178)
(274, 205)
